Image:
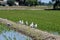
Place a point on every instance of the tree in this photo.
(10, 2)
(23, 2)
(50, 3)
(39, 2)
(30, 2)
(56, 4)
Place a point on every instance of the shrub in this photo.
(10, 2)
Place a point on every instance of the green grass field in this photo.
(46, 20)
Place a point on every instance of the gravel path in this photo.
(35, 34)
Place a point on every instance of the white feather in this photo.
(32, 25)
(20, 22)
(35, 25)
(26, 22)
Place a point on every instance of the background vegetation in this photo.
(46, 20)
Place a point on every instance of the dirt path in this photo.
(35, 34)
(23, 8)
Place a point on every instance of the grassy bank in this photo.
(46, 20)
(3, 28)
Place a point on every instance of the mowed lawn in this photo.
(46, 20)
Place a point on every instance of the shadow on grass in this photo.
(53, 9)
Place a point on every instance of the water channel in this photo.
(12, 35)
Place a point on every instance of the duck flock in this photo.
(32, 25)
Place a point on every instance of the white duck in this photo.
(20, 22)
(32, 25)
(35, 25)
(26, 23)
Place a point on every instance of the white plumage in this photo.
(32, 25)
(26, 23)
(20, 22)
(35, 26)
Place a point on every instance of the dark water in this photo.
(12, 35)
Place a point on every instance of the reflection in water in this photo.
(12, 35)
